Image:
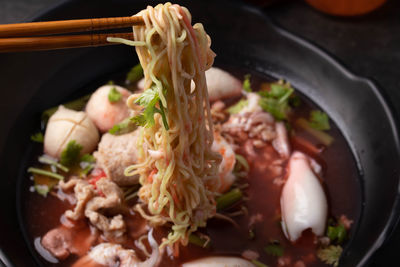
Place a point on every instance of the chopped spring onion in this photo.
(45, 173)
(258, 263)
(325, 138)
(42, 189)
(198, 241)
(135, 74)
(241, 163)
(228, 199)
(53, 162)
(37, 137)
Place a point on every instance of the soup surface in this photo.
(248, 228)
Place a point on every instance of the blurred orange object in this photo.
(346, 7)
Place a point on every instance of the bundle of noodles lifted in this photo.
(177, 168)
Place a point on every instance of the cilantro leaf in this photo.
(336, 233)
(114, 95)
(276, 100)
(149, 100)
(236, 108)
(134, 74)
(37, 137)
(247, 84)
(88, 158)
(274, 248)
(259, 263)
(319, 120)
(70, 155)
(330, 254)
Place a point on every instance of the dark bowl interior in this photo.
(242, 37)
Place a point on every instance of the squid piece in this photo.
(303, 200)
(226, 177)
(106, 114)
(66, 125)
(219, 262)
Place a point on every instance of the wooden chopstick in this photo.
(66, 26)
(58, 42)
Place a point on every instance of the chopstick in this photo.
(27, 36)
(58, 42)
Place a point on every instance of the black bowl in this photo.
(242, 37)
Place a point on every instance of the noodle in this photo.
(178, 187)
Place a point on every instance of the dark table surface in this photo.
(368, 45)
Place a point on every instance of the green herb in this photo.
(135, 74)
(124, 127)
(319, 120)
(114, 95)
(42, 189)
(336, 233)
(241, 163)
(228, 199)
(274, 248)
(70, 155)
(276, 100)
(46, 173)
(77, 104)
(325, 138)
(50, 161)
(37, 137)
(330, 254)
(87, 164)
(198, 241)
(252, 235)
(110, 82)
(247, 84)
(258, 263)
(238, 106)
(149, 100)
(88, 158)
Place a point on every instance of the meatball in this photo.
(67, 125)
(106, 114)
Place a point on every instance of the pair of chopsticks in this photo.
(38, 35)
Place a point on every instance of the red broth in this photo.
(340, 180)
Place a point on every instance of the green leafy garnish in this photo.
(259, 263)
(319, 120)
(87, 164)
(336, 233)
(228, 199)
(247, 84)
(114, 95)
(149, 100)
(330, 254)
(45, 173)
(241, 163)
(236, 108)
(276, 100)
(325, 138)
(274, 248)
(70, 155)
(37, 137)
(42, 189)
(47, 160)
(125, 126)
(198, 241)
(135, 74)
